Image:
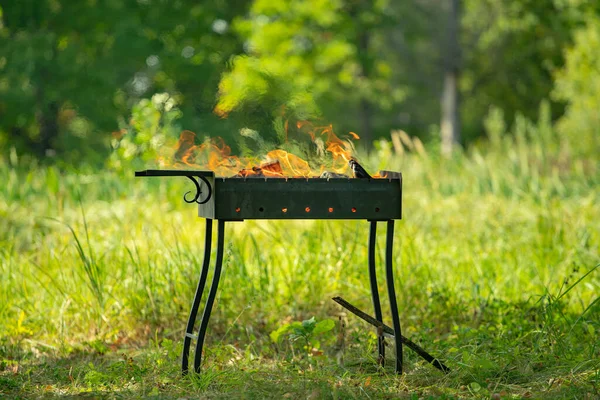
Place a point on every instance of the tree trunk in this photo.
(366, 132)
(46, 115)
(48, 122)
(450, 123)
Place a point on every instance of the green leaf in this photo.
(484, 363)
(323, 326)
(590, 329)
(466, 357)
(309, 324)
(282, 330)
(476, 387)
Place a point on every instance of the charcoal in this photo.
(254, 172)
(334, 175)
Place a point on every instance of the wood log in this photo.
(269, 169)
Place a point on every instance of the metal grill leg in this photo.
(392, 294)
(211, 296)
(189, 331)
(375, 292)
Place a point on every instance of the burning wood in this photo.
(272, 169)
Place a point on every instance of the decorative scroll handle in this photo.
(199, 191)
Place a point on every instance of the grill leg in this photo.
(392, 294)
(375, 292)
(211, 296)
(187, 341)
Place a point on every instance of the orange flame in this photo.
(292, 165)
(216, 156)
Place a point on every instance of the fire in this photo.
(291, 165)
(215, 155)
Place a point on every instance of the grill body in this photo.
(303, 198)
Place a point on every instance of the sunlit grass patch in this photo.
(494, 264)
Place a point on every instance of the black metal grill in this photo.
(236, 199)
(298, 198)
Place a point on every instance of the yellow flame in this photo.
(216, 156)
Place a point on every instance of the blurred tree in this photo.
(374, 66)
(511, 48)
(72, 71)
(315, 58)
(191, 45)
(59, 64)
(69, 70)
(450, 124)
(578, 85)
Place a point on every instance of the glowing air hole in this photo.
(238, 209)
(376, 209)
(284, 210)
(353, 209)
(307, 209)
(261, 209)
(330, 209)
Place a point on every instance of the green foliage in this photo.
(69, 73)
(60, 68)
(327, 58)
(511, 49)
(578, 85)
(305, 330)
(71, 76)
(151, 131)
(312, 58)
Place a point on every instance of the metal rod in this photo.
(211, 296)
(389, 254)
(389, 331)
(375, 292)
(196, 198)
(189, 331)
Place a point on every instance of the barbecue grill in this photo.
(237, 199)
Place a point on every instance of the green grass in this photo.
(496, 266)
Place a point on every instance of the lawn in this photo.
(496, 264)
